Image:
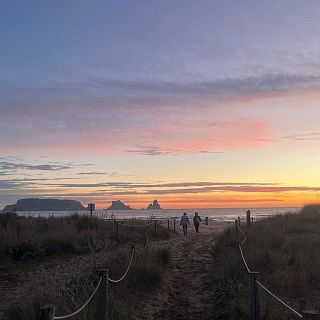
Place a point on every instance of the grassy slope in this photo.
(285, 250)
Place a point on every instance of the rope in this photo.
(147, 243)
(136, 225)
(244, 260)
(274, 296)
(80, 309)
(245, 239)
(240, 230)
(115, 281)
(262, 286)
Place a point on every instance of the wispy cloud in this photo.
(132, 188)
(156, 151)
(5, 165)
(313, 136)
(115, 90)
(134, 185)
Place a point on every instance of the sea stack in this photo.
(35, 204)
(118, 205)
(154, 206)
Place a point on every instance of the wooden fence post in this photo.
(248, 218)
(102, 298)
(237, 229)
(174, 225)
(206, 220)
(117, 231)
(302, 305)
(168, 224)
(310, 315)
(155, 228)
(254, 296)
(47, 312)
(239, 220)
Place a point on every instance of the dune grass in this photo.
(285, 250)
(24, 239)
(28, 241)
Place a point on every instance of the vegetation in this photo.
(26, 241)
(285, 250)
(23, 239)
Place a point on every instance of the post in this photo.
(174, 225)
(168, 224)
(252, 220)
(206, 220)
(47, 312)
(237, 229)
(155, 228)
(239, 220)
(254, 296)
(248, 218)
(91, 207)
(302, 303)
(310, 315)
(117, 231)
(102, 298)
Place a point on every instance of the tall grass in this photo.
(68, 291)
(26, 241)
(23, 239)
(285, 250)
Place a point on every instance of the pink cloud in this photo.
(176, 137)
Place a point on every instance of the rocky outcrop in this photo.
(154, 206)
(35, 204)
(118, 205)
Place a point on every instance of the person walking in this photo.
(184, 223)
(196, 222)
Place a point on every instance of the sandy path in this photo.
(187, 291)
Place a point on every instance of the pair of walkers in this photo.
(184, 222)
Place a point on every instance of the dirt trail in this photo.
(187, 291)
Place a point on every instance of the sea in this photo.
(214, 214)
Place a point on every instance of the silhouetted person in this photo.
(196, 222)
(184, 223)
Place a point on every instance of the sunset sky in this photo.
(194, 103)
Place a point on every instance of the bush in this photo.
(163, 256)
(58, 246)
(282, 249)
(21, 252)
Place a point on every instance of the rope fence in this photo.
(255, 284)
(48, 312)
(126, 272)
(81, 308)
(154, 223)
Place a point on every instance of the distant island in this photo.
(36, 204)
(154, 206)
(119, 205)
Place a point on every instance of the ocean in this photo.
(214, 214)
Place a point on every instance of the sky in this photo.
(194, 103)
